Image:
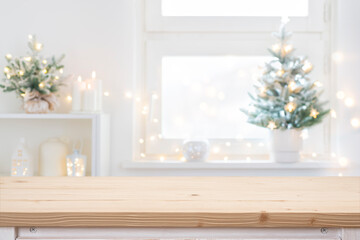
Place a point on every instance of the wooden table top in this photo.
(180, 201)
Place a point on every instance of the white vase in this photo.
(285, 145)
(53, 157)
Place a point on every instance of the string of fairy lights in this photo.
(343, 97)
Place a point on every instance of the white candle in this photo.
(98, 92)
(89, 97)
(76, 95)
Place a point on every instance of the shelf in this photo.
(49, 116)
(233, 165)
(92, 128)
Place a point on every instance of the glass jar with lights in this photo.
(76, 164)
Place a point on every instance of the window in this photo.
(197, 59)
(258, 8)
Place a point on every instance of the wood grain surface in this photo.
(180, 201)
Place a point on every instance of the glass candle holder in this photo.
(76, 164)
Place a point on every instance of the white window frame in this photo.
(158, 35)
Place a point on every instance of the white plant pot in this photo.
(285, 145)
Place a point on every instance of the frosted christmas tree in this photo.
(286, 98)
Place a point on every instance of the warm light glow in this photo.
(249, 145)
(145, 110)
(155, 96)
(8, 56)
(337, 57)
(93, 75)
(138, 99)
(61, 70)
(333, 113)
(128, 94)
(28, 59)
(79, 79)
(355, 122)
(271, 125)
(6, 70)
(21, 73)
(280, 73)
(340, 174)
(69, 98)
(30, 37)
(314, 155)
(349, 102)
(307, 67)
(22, 94)
(106, 94)
(343, 162)
(41, 85)
(317, 84)
(155, 120)
(44, 61)
(292, 85)
(290, 107)
(226, 158)
(333, 155)
(275, 47)
(263, 91)
(44, 71)
(261, 144)
(340, 95)
(89, 86)
(248, 159)
(314, 113)
(8, 76)
(162, 158)
(216, 150)
(142, 155)
(228, 144)
(141, 141)
(38, 46)
(304, 134)
(152, 138)
(177, 150)
(288, 48)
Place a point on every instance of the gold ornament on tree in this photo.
(34, 79)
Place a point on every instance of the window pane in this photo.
(235, 8)
(202, 95)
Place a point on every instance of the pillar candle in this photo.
(98, 92)
(76, 95)
(89, 97)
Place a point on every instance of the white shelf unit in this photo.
(99, 131)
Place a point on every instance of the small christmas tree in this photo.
(34, 78)
(286, 98)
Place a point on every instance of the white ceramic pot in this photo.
(285, 145)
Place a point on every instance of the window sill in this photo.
(265, 164)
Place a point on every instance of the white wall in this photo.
(348, 79)
(98, 35)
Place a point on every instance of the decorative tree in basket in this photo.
(286, 98)
(34, 79)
